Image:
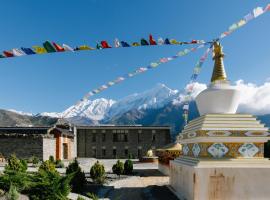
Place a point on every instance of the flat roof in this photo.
(123, 127)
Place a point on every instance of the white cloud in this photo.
(255, 99)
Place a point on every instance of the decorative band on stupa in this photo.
(219, 132)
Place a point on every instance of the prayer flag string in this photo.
(256, 12)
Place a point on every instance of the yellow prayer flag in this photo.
(39, 50)
(85, 47)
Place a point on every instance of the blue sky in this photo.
(53, 82)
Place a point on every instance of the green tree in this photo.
(97, 173)
(15, 164)
(49, 185)
(128, 167)
(47, 166)
(78, 179)
(118, 168)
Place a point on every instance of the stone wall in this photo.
(49, 148)
(22, 147)
(91, 142)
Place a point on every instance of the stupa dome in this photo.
(219, 97)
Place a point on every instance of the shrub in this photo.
(12, 193)
(51, 159)
(49, 185)
(47, 166)
(24, 165)
(35, 160)
(80, 198)
(118, 168)
(15, 164)
(78, 179)
(97, 173)
(92, 196)
(128, 167)
(59, 164)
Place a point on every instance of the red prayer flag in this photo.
(58, 47)
(105, 44)
(8, 54)
(151, 40)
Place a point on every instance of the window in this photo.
(139, 152)
(103, 131)
(114, 153)
(94, 152)
(126, 152)
(153, 136)
(94, 137)
(93, 131)
(104, 152)
(103, 137)
(139, 137)
(120, 137)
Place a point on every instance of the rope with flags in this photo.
(256, 12)
(53, 47)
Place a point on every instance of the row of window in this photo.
(120, 131)
(114, 152)
(120, 137)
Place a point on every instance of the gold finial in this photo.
(219, 73)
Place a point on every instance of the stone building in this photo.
(120, 141)
(41, 142)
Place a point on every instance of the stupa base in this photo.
(233, 179)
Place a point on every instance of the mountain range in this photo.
(157, 106)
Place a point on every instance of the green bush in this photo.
(12, 193)
(78, 179)
(49, 185)
(15, 164)
(35, 160)
(128, 167)
(20, 180)
(97, 173)
(92, 196)
(47, 166)
(51, 159)
(118, 168)
(80, 198)
(59, 164)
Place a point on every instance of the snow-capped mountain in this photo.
(104, 109)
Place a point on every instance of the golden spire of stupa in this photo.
(219, 73)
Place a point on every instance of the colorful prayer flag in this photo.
(67, 48)
(28, 51)
(257, 11)
(144, 42)
(167, 41)
(49, 47)
(39, 50)
(58, 47)
(85, 47)
(124, 44)
(151, 40)
(116, 43)
(105, 44)
(160, 41)
(8, 54)
(135, 44)
(18, 52)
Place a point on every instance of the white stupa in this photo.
(220, 97)
(223, 152)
